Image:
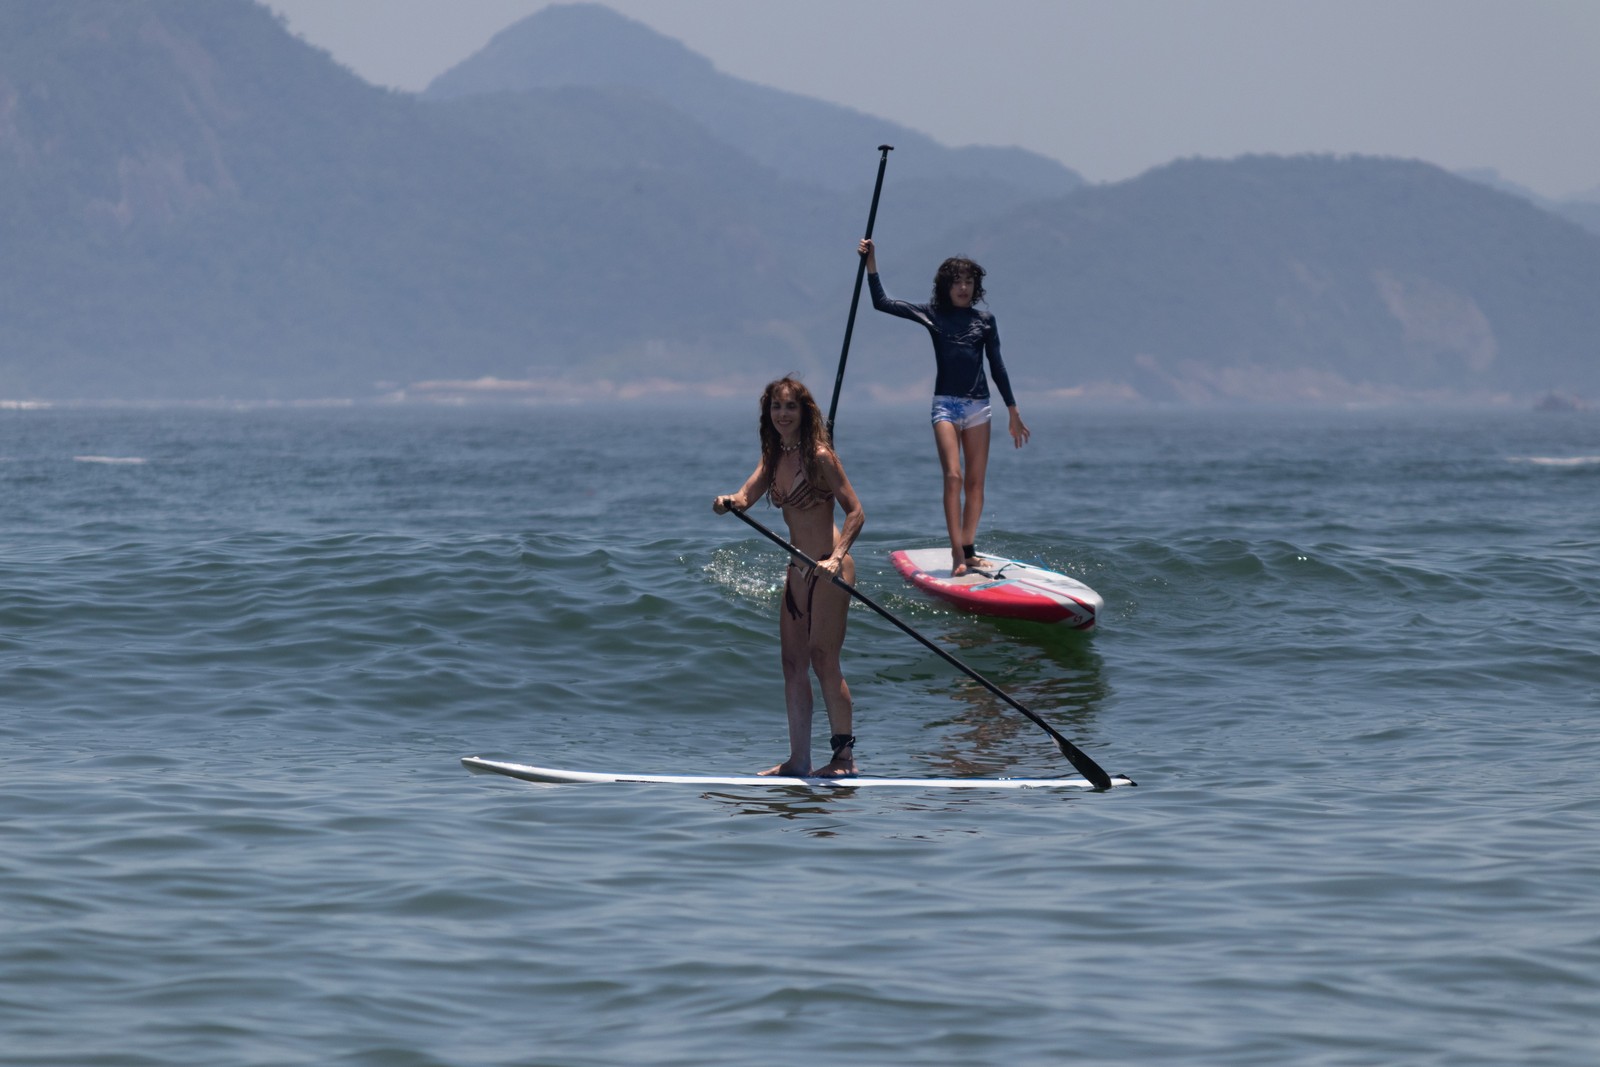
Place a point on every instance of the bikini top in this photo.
(802, 495)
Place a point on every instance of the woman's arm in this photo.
(754, 486)
(855, 516)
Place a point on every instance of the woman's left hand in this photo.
(828, 567)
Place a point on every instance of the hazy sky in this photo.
(1111, 87)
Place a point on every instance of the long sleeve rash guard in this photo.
(962, 337)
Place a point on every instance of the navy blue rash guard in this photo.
(961, 339)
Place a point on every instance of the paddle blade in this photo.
(1087, 767)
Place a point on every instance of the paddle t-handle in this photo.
(1087, 767)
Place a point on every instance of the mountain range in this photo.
(198, 205)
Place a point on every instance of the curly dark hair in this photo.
(948, 272)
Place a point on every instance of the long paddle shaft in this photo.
(861, 272)
(1086, 766)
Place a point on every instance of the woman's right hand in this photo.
(721, 504)
(868, 249)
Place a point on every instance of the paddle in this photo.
(1079, 759)
(861, 272)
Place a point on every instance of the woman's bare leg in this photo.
(830, 610)
(796, 680)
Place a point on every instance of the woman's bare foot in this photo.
(787, 769)
(958, 563)
(844, 767)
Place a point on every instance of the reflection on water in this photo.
(1055, 674)
(795, 802)
(833, 811)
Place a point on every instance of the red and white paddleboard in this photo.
(1004, 587)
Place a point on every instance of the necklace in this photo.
(789, 448)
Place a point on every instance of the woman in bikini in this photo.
(802, 475)
(962, 337)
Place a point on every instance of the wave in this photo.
(1557, 461)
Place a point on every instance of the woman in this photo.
(962, 337)
(803, 476)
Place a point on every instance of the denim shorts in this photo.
(964, 412)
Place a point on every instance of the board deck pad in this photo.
(1006, 588)
(554, 776)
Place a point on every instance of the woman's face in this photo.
(784, 411)
(961, 289)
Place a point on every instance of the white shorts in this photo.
(964, 412)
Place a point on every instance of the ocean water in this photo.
(1350, 658)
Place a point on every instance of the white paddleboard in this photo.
(1007, 588)
(479, 765)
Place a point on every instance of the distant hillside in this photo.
(196, 204)
(1308, 278)
(1583, 209)
(804, 140)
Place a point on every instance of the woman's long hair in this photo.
(948, 272)
(813, 430)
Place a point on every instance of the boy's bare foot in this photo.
(787, 769)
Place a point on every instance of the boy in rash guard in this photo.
(963, 337)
